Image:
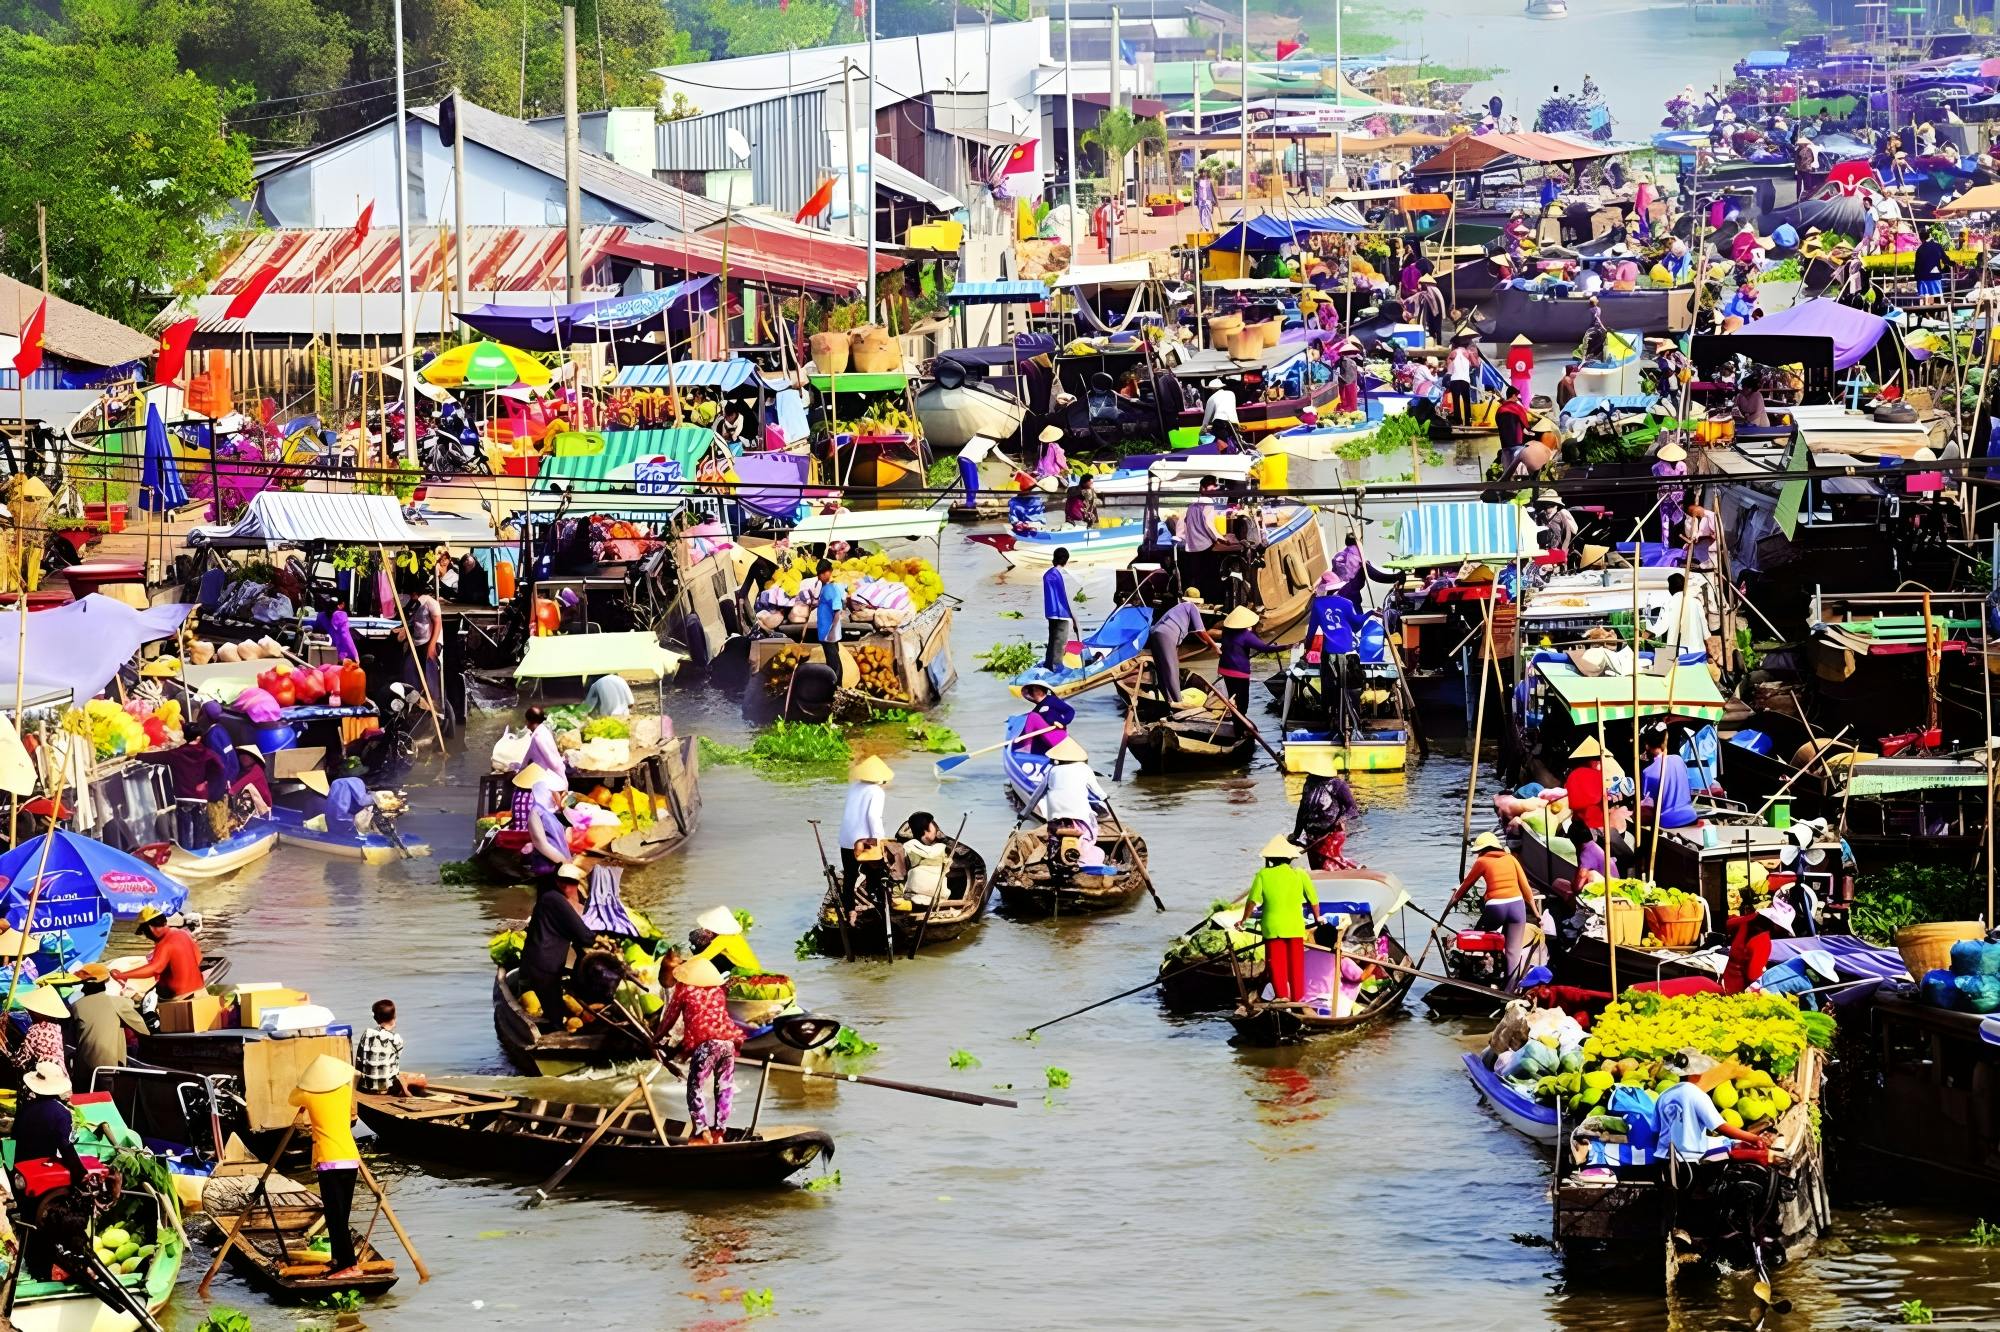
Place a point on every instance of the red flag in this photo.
(29, 358)
(171, 358)
(253, 291)
(1020, 158)
(360, 232)
(1286, 48)
(822, 199)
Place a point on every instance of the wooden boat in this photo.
(1217, 982)
(1357, 907)
(1526, 1116)
(487, 1130)
(1025, 768)
(1912, 1117)
(1028, 887)
(1114, 651)
(1276, 580)
(667, 774)
(1191, 740)
(272, 1249)
(1565, 319)
(1086, 545)
(247, 845)
(951, 414)
(967, 887)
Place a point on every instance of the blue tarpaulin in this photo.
(1463, 530)
(1268, 231)
(1766, 60)
(1010, 292)
(84, 885)
(723, 375)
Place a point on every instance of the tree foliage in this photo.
(1115, 136)
(126, 151)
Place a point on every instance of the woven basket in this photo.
(1626, 924)
(1927, 947)
(1675, 926)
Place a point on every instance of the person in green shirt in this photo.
(1281, 896)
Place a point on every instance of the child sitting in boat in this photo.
(926, 857)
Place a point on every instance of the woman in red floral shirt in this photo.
(43, 1040)
(710, 1039)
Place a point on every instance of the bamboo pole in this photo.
(1986, 698)
(249, 1205)
(423, 680)
(1478, 735)
(375, 1185)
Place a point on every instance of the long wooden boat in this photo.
(1027, 886)
(490, 1130)
(1914, 1112)
(967, 887)
(1194, 740)
(1086, 545)
(1565, 319)
(370, 848)
(272, 1250)
(1278, 585)
(1262, 1023)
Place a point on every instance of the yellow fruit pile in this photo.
(916, 574)
(1637, 1041)
(778, 670)
(878, 671)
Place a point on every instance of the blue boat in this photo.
(1524, 1115)
(1111, 652)
(372, 848)
(248, 844)
(1026, 769)
(1086, 545)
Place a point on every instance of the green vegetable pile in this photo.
(784, 746)
(568, 717)
(1009, 658)
(936, 739)
(606, 728)
(1907, 893)
(1209, 941)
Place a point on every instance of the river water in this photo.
(1174, 1182)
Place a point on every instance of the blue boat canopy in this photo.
(723, 375)
(1267, 231)
(1767, 60)
(1013, 291)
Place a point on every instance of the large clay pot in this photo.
(829, 352)
(1270, 329)
(1246, 344)
(1221, 328)
(872, 351)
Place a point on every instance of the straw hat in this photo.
(326, 1074)
(572, 872)
(1051, 433)
(525, 780)
(1671, 453)
(1279, 848)
(1317, 763)
(1588, 749)
(1427, 281)
(719, 920)
(1048, 485)
(92, 971)
(48, 1079)
(1487, 841)
(45, 1002)
(871, 769)
(161, 666)
(698, 972)
(1240, 618)
(1191, 594)
(13, 943)
(1068, 750)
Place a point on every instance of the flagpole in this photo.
(1069, 119)
(873, 228)
(403, 251)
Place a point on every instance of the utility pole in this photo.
(572, 149)
(1340, 101)
(409, 379)
(458, 190)
(872, 196)
(1069, 118)
(1243, 111)
(1116, 64)
(847, 137)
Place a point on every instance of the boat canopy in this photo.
(1131, 273)
(1472, 153)
(1267, 231)
(649, 462)
(1853, 332)
(1452, 533)
(76, 649)
(1684, 691)
(879, 525)
(1011, 291)
(297, 517)
(722, 375)
(583, 656)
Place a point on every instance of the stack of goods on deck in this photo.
(878, 583)
(1646, 1042)
(1213, 940)
(1650, 916)
(133, 727)
(1971, 984)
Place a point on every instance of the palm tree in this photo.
(1117, 135)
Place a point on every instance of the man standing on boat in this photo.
(976, 451)
(175, 959)
(1169, 632)
(554, 928)
(830, 615)
(861, 823)
(1325, 806)
(1058, 585)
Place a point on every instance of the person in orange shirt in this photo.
(1510, 905)
(175, 959)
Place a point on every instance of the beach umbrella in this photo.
(160, 486)
(85, 884)
(485, 365)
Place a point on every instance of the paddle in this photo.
(1138, 856)
(542, 1193)
(1222, 692)
(833, 892)
(951, 762)
(249, 1205)
(375, 1186)
(1231, 955)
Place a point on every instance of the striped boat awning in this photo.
(1684, 691)
(1881, 777)
(723, 375)
(1010, 292)
(617, 466)
(1451, 533)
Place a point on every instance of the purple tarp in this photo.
(1854, 959)
(771, 483)
(553, 327)
(80, 646)
(1854, 332)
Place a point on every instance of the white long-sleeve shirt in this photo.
(862, 817)
(1066, 795)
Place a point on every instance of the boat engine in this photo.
(60, 1217)
(1065, 850)
(1479, 956)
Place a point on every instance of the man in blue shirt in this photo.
(1664, 790)
(832, 612)
(1335, 622)
(1056, 591)
(1691, 1125)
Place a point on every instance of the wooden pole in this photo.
(34, 894)
(423, 680)
(249, 1205)
(1478, 733)
(423, 1273)
(617, 1111)
(1986, 698)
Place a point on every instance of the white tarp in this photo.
(293, 518)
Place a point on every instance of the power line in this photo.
(345, 87)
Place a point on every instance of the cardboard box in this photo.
(201, 1012)
(300, 758)
(271, 1070)
(251, 1007)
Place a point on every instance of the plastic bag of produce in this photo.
(1940, 989)
(1975, 957)
(1978, 994)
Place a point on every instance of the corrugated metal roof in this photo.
(779, 258)
(789, 154)
(72, 332)
(724, 375)
(321, 277)
(599, 176)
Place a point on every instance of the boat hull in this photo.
(1176, 745)
(952, 416)
(1383, 750)
(1510, 311)
(247, 846)
(1530, 1119)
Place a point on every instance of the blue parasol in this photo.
(84, 886)
(160, 488)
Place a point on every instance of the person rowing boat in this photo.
(1048, 719)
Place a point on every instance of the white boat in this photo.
(248, 844)
(1086, 545)
(951, 414)
(1548, 9)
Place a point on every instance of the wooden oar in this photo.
(1231, 955)
(914, 1088)
(423, 1273)
(1139, 856)
(951, 762)
(1222, 692)
(541, 1194)
(249, 1205)
(833, 892)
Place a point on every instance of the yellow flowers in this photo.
(916, 574)
(1762, 1030)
